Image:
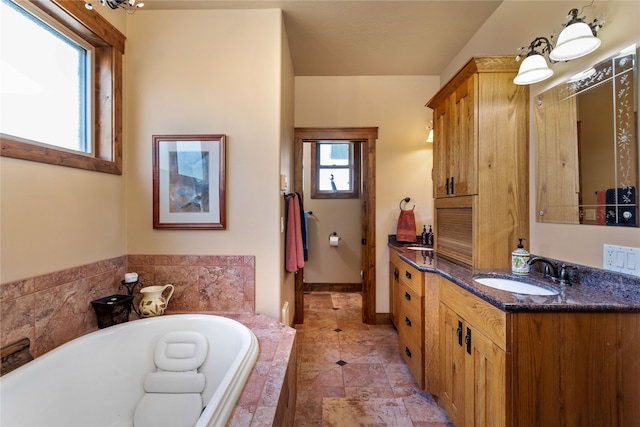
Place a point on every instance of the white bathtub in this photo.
(97, 379)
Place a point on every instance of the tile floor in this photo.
(352, 374)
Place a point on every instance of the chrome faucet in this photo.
(553, 271)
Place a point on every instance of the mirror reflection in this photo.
(587, 146)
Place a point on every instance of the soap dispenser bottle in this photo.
(424, 234)
(520, 259)
(430, 237)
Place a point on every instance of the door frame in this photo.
(367, 136)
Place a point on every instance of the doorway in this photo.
(366, 137)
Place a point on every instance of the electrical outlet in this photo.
(621, 259)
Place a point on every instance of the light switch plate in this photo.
(622, 259)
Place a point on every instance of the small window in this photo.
(335, 170)
(76, 121)
(46, 76)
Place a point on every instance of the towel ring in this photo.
(406, 200)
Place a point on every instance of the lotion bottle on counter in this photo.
(520, 260)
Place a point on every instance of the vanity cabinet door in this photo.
(473, 382)
(452, 361)
(485, 370)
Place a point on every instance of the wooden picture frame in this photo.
(189, 188)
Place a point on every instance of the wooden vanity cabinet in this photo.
(481, 143)
(531, 369)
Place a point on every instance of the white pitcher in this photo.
(153, 302)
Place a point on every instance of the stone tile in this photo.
(369, 392)
(58, 278)
(185, 283)
(389, 354)
(272, 387)
(17, 289)
(221, 288)
(365, 375)
(340, 412)
(308, 380)
(424, 409)
(255, 385)
(399, 375)
(60, 315)
(359, 353)
(309, 402)
(18, 320)
(263, 416)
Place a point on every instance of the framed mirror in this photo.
(189, 190)
(587, 146)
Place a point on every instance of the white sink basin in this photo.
(418, 248)
(514, 286)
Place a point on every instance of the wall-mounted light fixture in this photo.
(430, 132)
(534, 68)
(129, 6)
(576, 40)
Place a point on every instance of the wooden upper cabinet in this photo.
(481, 163)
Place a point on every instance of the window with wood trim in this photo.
(96, 49)
(335, 170)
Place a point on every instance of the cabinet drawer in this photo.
(409, 300)
(410, 326)
(412, 355)
(412, 277)
(489, 320)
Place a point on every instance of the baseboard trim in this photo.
(383, 319)
(333, 287)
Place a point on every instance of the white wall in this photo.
(516, 23)
(395, 104)
(211, 71)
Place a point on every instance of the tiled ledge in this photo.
(266, 398)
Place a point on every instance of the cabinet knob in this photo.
(407, 296)
(407, 321)
(407, 274)
(407, 351)
(453, 191)
(459, 333)
(446, 185)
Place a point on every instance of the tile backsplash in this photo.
(54, 308)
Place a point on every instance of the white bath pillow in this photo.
(181, 351)
(174, 382)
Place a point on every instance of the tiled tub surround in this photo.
(591, 289)
(55, 308)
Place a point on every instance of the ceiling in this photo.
(365, 37)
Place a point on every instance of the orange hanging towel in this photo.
(406, 226)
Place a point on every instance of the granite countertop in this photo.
(591, 289)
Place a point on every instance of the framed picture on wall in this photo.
(189, 190)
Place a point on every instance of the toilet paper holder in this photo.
(334, 239)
